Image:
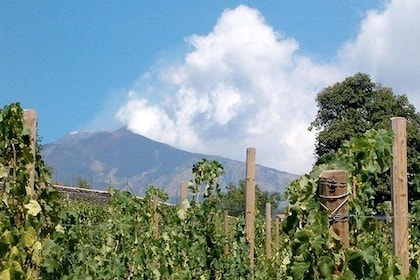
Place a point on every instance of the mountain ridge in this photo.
(122, 158)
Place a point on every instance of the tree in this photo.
(356, 105)
(234, 199)
(82, 183)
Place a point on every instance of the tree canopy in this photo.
(356, 105)
(82, 183)
(233, 199)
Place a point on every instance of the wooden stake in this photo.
(29, 120)
(400, 192)
(250, 203)
(268, 230)
(334, 197)
(226, 230)
(184, 191)
(277, 239)
(155, 218)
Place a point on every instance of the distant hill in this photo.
(129, 161)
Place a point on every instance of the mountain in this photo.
(129, 161)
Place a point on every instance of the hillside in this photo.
(129, 161)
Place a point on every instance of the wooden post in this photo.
(250, 203)
(268, 230)
(400, 192)
(334, 198)
(226, 230)
(277, 239)
(29, 120)
(155, 218)
(184, 191)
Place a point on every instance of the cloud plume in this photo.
(245, 84)
(387, 47)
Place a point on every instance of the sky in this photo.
(214, 77)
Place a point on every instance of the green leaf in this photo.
(36, 252)
(7, 237)
(326, 265)
(5, 274)
(3, 171)
(28, 238)
(50, 264)
(299, 269)
(33, 207)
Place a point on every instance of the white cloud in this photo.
(147, 119)
(244, 84)
(387, 47)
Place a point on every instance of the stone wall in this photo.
(87, 195)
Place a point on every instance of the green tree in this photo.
(233, 199)
(356, 105)
(82, 183)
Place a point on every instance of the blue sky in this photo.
(205, 76)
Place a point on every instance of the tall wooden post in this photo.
(268, 230)
(155, 218)
(334, 198)
(184, 191)
(277, 239)
(400, 192)
(29, 120)
(250, 203)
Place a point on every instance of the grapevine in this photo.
(44, 236)
(26, 220)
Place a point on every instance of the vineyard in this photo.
(46, 236)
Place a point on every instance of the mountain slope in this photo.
(127, 160)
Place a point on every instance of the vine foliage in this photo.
(47, 237)
(26, 219)
(315, 251)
